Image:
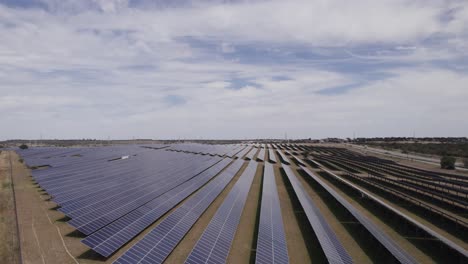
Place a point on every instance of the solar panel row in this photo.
(104, 180)
(145, 180)
(95, 218)
(205, 149)
(216, 240)
(271, 155)
(159, 243)
(283, 157)
(104, 191)
(298, 160)
(261, 155)
(59, 180)
(330, 244)
(451, 244)
(113, 236)
(243, 152)
(251, 154)
(271, 241)
(236, 150)
(57, 157)
(385, 240)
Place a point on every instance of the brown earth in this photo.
(9, 244)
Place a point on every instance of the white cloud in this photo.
(98, 68)
(227, 48)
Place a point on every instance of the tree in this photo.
(23, 146)
(447, 162)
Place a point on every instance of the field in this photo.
(234, 203)
(9, 248)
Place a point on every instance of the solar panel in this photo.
(251, 154)
(385, 240)
(298, 160)
(110, 238)
(261, 155)
(143, 180)
(271, 241)
(159, 243)
(283, 157)
(236, 150)
(96, 219)
(121, 181)
(330, 244)
(271, 155)
(205, 149)
(214, 244)
(243, 152)
(116, 179)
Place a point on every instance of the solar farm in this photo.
(234, 203)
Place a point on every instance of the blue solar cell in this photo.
(159, 243)
(271, 155)
(251, 154)
(243, 152)
(214, 244)
(385, 240)
(271, 241)
(261, 154)
(96, 218)
(110, 238)
(284, 158)
(330, 244)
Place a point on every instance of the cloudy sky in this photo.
(233, 69)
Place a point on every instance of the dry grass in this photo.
(9, 246)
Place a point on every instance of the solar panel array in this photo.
(385, 240)
(89, 217)
(113, 194)
(159, 243)
(271, 241)
(110, 238)
(215, 243)
(111, 199)
(207, 149)
(330, 244)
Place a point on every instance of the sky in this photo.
(232, 69)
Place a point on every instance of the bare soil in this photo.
(243, 245)
(9, 244)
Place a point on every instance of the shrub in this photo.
(465, 162)
(447, 162)
(23, 146)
